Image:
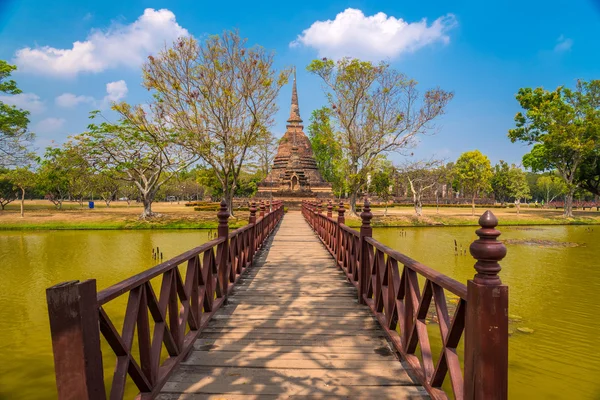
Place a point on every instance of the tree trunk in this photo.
(473, 206)
(147, 201)
(569, 203)
(518, 206)
(353, 198)
(418, 204)
(228, 196)
(2, 205)
(22, 202)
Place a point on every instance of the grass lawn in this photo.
(40, 214)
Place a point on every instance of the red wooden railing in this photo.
(387, 282)
(180, 312)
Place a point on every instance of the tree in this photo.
(382, 182)
(551, 186)
(377, 110)
(422, 176)
(518, 187)
(8, 194)
(473, 174)
(141, 148)
(265, 153)
(564, 128)
(588, 176)
(22, 178)
(220, 97)
(14, 135)
(106, 184)
(54, 175)
(326, 148)
(501, 181)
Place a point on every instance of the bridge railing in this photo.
(181, 310)
(387, 281)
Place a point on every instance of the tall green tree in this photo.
(326, 148)
(564, 128)
(220, 97)
(15, 137)
(518, 187)
(377, 110)
(473, 173)
(501, 181)
(382, 182)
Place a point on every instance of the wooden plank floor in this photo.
(293, 328)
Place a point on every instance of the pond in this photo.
(32, 261)
(554, 290)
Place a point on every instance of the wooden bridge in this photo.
(289, 306)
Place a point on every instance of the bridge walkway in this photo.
(292, 328)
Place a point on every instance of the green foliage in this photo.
(7, 190)
(326, 147)
(518, 187)
(500, 181)
(550, 187)
(14, 136)
(564, 127)
(473, 173)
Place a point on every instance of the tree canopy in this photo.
(377, 110)
(564, 128)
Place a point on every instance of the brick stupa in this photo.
(294, 172)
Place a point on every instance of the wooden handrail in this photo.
(387, 282)
(78, 318)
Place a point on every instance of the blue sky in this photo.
(482, 51)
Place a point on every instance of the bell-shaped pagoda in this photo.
(294, 172)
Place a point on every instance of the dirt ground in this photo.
(40, 214)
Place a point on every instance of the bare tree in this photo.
(378, 110)
(421, 177)
(219, 95)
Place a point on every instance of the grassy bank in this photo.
(41, 215)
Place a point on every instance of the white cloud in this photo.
(374, 37)
(27, 101)
(69, 100)
(49, 125)
(120, 45)
(115, 91)
(563, 44)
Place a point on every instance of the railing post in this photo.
(252, 221)
(223, 232)
(74, 327)
(365, 232)
(340, 220)
(262, 209)
(329, 209)
(486, 327)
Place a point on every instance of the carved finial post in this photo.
(223, 254)
(319, 207)
(341, 211)
(252, 210)
(262, 208)
(486, 326)
(329, 209)
(365, 263)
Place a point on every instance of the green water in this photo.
(32, 261)
(555, 290)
